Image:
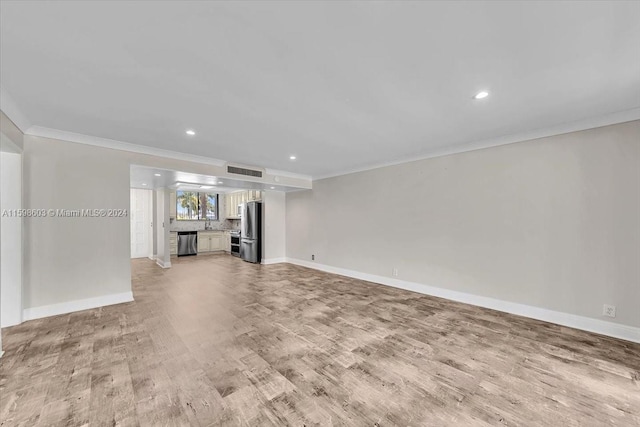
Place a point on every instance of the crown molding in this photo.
(563, 128)
(113, 144)
(9, 107)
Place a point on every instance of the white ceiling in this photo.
(342, 85)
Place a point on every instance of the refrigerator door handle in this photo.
(248, 221)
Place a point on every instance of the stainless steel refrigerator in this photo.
(251, 228)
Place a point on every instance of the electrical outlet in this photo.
(609, 310)
(313, 257)
(394, 272)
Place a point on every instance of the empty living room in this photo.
(319, 213)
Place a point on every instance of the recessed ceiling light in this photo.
(206, 186)
(191, 132)
(157, 174)
(273, 188)
(220, 182)
(292, 157)
(144, 184)
(481, 95)
(177, 184)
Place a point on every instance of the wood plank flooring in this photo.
(217, 341)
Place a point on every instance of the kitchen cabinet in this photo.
(254, 195)
(228, 202)
(203, 243)
(232, 200)
(217, 242)
(173, 243)
(172, 205)
(232, 205)
(210, 241)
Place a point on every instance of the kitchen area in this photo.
(177, 214)
(217, 225)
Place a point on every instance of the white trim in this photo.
(9, 107)
(1, 353)
(77, 305)
(615, 330)
(594, 122)
(153, 257)
(163, 264)
(274, 261)
(113, 144)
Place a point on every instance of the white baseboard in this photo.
(77, 305)
(274, 261)
(153, 257)
(163, 264)
(614, 330)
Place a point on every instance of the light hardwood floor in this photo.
(217, 341)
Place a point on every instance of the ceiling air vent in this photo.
(240, 170)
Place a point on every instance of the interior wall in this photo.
(10, 239)
(74, 258)
(551, 223)
(154, 227)
(11, 141)
(162, 237)
(274, 208)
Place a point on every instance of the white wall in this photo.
(11, 141)
(551, 223)
(10, 239)
(274, 242)
(71, 259)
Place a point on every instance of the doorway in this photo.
(141, 223)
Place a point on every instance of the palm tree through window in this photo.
(193, 205)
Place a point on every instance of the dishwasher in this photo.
(187, 243)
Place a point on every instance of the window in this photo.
(212, 207)
(193, 206)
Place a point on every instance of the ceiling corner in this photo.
(11, 110)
